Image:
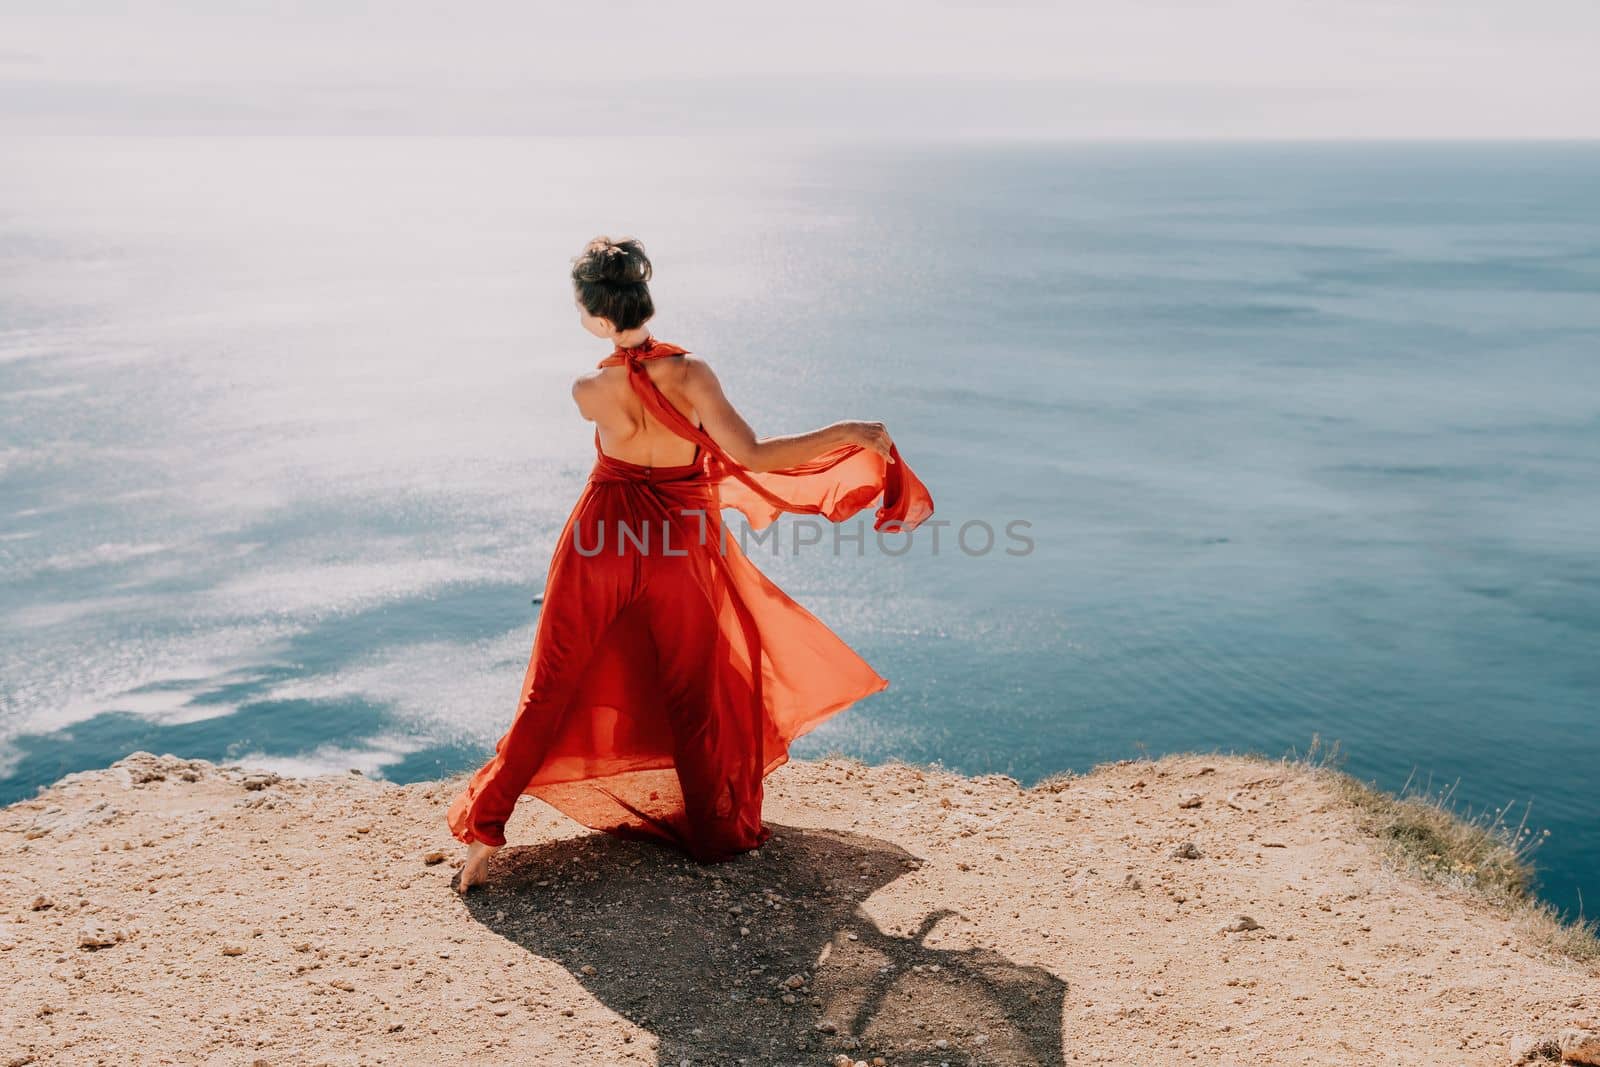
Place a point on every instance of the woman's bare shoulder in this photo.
(675, 371)
(586, 382)
(589, 389)
(695, 372)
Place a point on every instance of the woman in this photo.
(668, 674)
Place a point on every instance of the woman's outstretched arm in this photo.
(728, 429)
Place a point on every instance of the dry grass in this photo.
(1425, 832)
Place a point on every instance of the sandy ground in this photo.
(899, 915)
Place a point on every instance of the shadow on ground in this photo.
(812, 977)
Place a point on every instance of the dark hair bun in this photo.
(612, 262)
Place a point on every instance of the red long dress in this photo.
(668, 675)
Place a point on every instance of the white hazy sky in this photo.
(1108, 68)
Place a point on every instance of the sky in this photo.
(1118, 69)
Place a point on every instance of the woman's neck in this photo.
(632, 338)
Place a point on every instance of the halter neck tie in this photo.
(633, 355)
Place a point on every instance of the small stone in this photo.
(97, 936)
(233, 950)
(589, 969)
(827, 1026)
(1240, 924)
(258, 781)
(1190, 800)
(436, 856)
(794, 981)
(42, 903)
(1186, 851)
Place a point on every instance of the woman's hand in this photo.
(873, 435)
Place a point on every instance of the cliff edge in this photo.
(1208, 909)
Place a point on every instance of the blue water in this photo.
(1308, 438)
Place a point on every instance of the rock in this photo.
(1190, 800)
(1187, 851)
(795, 981)
(258, 780)
(436, 856)
(1240, 924)
(827, 1026)
(1581, 1045)
(233, 950)
(144, 767)
(589, 969)
(42, 903)
(96, 936)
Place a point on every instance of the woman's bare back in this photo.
(627, 431)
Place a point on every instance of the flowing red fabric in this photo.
(669, 675)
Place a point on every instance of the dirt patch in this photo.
(1193, 909)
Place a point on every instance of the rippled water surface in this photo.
(1307, 439)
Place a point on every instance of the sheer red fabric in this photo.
(668, 675)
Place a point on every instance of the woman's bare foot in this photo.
(475, 871)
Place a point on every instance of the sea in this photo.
(1251, 447)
